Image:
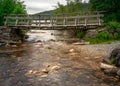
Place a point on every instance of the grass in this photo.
(102, 37)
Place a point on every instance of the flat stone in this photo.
(30, 71)
(86, 43)
(45, 71)
(14, 45)
(71, 50)
(43, 76)
(11, 75)
(55, 68)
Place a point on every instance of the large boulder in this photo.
(115, 57)
(111, 64)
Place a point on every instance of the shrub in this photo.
(101, 37)
(104, 36)
(113, 26)
(80, 34)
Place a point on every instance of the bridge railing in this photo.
(40, 20)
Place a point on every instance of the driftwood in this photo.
(113, 59)
(110, 69)
(81, 43)
(106, 66)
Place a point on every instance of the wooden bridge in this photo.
(53, 22)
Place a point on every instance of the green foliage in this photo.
(114, 28)
(113, 25)
(104, 36)
(101, 37)
(80, 34)
(10, 7)
(111, 8)
(112, 60)
(72, 6)
(25, 31)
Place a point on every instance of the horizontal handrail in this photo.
(53, 20)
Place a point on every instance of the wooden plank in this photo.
(54, 20)
(73, 17)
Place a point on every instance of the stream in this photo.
(45, 60)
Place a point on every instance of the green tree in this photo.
(72, 6)
(10, 7)
(111, 8)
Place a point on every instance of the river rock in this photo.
(52, 40)
(14, 46)
(118, 72)
(71, 50)
(111, 72)
(7, 45)
(91, 33)
(38, 41)
(55, 68)
(11, 75)
(45, 70)
(86, 43)
(43, 76)
(115, 57)
(30, 71)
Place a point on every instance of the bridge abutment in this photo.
(17, 35)
(12, 35)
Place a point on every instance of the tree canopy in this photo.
(11, 7)
(111, 8)
(72, 6)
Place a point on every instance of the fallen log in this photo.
(106, 66)
(110, 69)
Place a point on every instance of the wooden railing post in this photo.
(51, 21)
(98, 17)
(39, 20)
(6, 20)
(16, 21)
(86, 19)
(64, 21)
(78, 20)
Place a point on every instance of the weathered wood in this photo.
(110, 69)
(106, 66)
(50, 21)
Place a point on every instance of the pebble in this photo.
(45, 71)
(11, 75)
(14, 46)
(86, 43)
(34, 72)
(7, 45)
(49, 48)
(30, 72)
(97, 57)
(43, 76)
(71, 50)
(38, 41)
(55, 68)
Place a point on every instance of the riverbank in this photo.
(43, 61)
(55, 63)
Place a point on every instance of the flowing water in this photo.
(41, 62)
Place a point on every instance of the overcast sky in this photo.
(36, 6)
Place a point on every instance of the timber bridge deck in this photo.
(53, 22)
